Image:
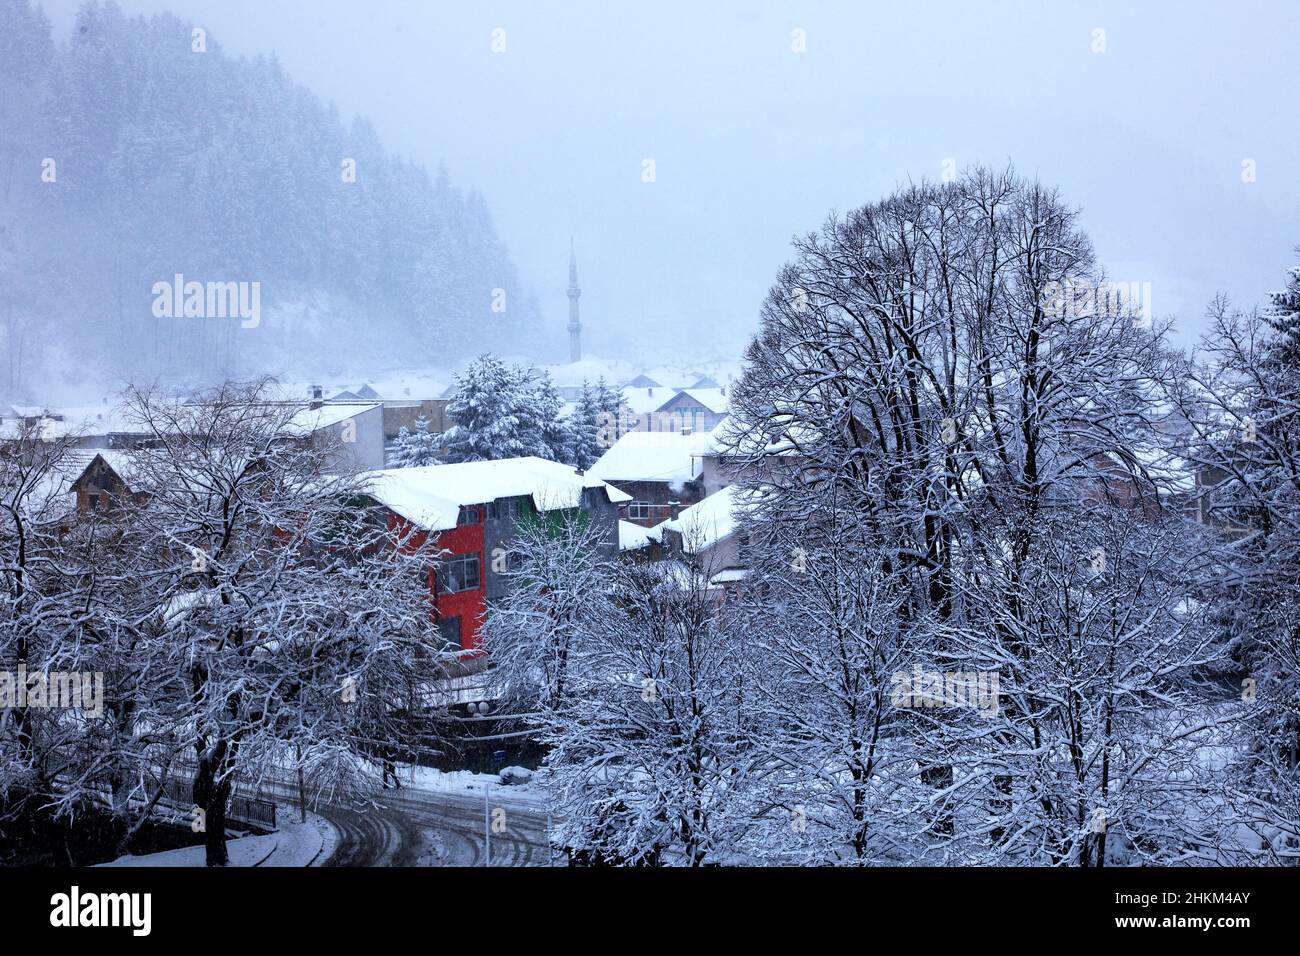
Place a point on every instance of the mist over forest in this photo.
(154, 161)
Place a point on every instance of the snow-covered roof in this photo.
(714, 399)
(573, 374)
(75, 420)
(27, 411)
(706, 522)
(310, 420)
(633, 537)
(121, 460)
(652, 456)
(432, 496)
(643, 401)
(180, 605)
(729, 576)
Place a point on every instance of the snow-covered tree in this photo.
(502, 411)
(484, 410)
(289, 606)
(40, 618)
(828, 756)
(937, 374)
(584, 429)
(539, 411)
(558, 576)
(635, 684)
(412, 449)
(1241, 398)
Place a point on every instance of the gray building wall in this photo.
(719, 556)
(403, 414)
(366, 451)
(500, 530)
(660, 494)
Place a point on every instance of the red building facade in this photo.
(460, 599)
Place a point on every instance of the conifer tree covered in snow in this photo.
(315, 207)
(412, 449)
(594, 423)
(540, 411)
(502, 411)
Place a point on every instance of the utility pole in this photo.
(487, 825)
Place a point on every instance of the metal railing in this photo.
(253, 811)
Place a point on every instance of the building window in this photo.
(641, 510)
(92, 502)
(492, 511)
(449, 631)
(459, 572)
(470, 514)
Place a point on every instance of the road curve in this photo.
(412, 827)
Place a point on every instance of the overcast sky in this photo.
(754, 142)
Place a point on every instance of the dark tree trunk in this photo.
(215, 837)
(211, 795)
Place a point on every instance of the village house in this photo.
(104, 482)
(84, 426)
(398, 413)
(658, 470)
(658, 409)
(708, 536)
(699, 409)
(353, 430)
(473, 510)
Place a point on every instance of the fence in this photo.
(253, 811)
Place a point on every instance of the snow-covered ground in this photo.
(463, 782)
(293, 844)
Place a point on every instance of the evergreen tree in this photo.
(1283, 315)
(584, 429)
(413, 449)
(540, 408)
(505, 412)
(485, 413)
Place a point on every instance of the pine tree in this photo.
(485, 413)
(540, 411)
(1283, 315)
(584, 429)
(413, 449)
(505, 412)
(609, 403)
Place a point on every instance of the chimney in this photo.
(317, 399)
(676, 507)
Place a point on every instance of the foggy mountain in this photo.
(138, 157)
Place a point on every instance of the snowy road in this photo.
(414, 827)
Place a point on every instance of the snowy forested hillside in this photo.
(129, 155)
